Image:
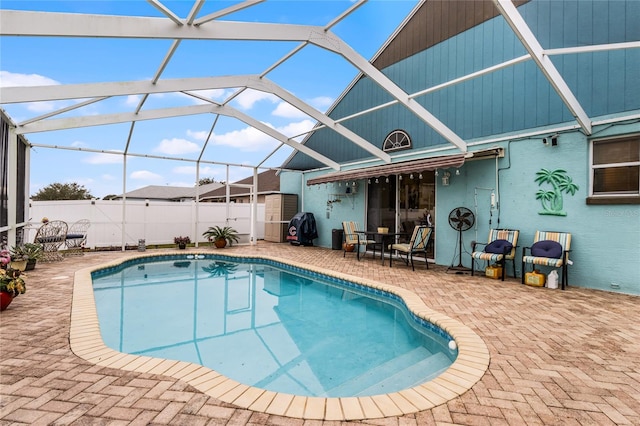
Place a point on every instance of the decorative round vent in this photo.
(398, 139)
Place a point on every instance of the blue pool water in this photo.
(268, 325)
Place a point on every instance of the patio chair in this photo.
(51, 236)
(549, 249)
(416, 245)
(77, 237)
(500, 247)
(354, 238)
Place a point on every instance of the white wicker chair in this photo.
(77, 237)
(51, 236)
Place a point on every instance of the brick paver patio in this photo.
(557, 358)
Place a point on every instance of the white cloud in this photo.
(250, 139)
(103, 158)
(297, 128)
(321, 102)
(287, 110)
(107, 177)
(213, 94)
(132, 100)
(146, 176)
(249, 98)
(9, 79)
(177, 146)
(198, 135)
(78, 144)
(247, 139)
(205, 171)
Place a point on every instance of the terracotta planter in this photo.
(221, 243)
(5, 300)
(348, 247)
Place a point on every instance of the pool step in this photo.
(402, 372)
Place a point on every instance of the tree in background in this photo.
(62, 191)
(206, 181)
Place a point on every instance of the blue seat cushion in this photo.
(74, 236)
(498, 247)
(547, 248)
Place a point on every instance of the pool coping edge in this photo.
(468, 368)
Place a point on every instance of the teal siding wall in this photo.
(315, 199)
(606, 238)
(508, 100)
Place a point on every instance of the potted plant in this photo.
(220, 269)
(18, 259)
(182, 242)
(221, 235)
(11, 285)
(32, 252)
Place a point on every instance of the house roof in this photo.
(268, 182)
(165, 192)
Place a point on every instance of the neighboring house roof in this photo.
(169, 193)
(268, 182)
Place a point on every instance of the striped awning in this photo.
(413, 166)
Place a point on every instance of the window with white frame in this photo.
(615, 167)
(398, 139)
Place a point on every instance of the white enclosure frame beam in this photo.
(48, 93)
(76, 25)
(99, 120)
(510, 13)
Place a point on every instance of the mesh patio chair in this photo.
(51, 236)
(354, 238)
(417, 245)
(549, 249)
(77, 237)
(500, 247)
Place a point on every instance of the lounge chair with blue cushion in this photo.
(500, 247)
(549, 249)
(416, 245)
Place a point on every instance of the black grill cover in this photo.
(302, 229)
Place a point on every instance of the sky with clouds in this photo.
(315, 76)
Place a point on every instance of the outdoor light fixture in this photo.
(369, 181)
(387, 180)
(400, 177)
(377, 181)
(457, 172)
(445, 178)
(411, 176)
(550, 141)
(436, 172)
(420, 176)
(146, 202)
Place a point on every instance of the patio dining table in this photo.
(384, 238)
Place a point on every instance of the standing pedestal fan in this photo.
(460, 219)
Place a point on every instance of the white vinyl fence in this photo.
(156, 222)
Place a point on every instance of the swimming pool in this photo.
(469, 366)
(269, 325)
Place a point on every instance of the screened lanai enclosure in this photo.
(234, 88)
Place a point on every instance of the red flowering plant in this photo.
(11, 280)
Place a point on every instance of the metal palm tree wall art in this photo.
(552, 201)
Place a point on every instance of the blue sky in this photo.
(316, 76)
